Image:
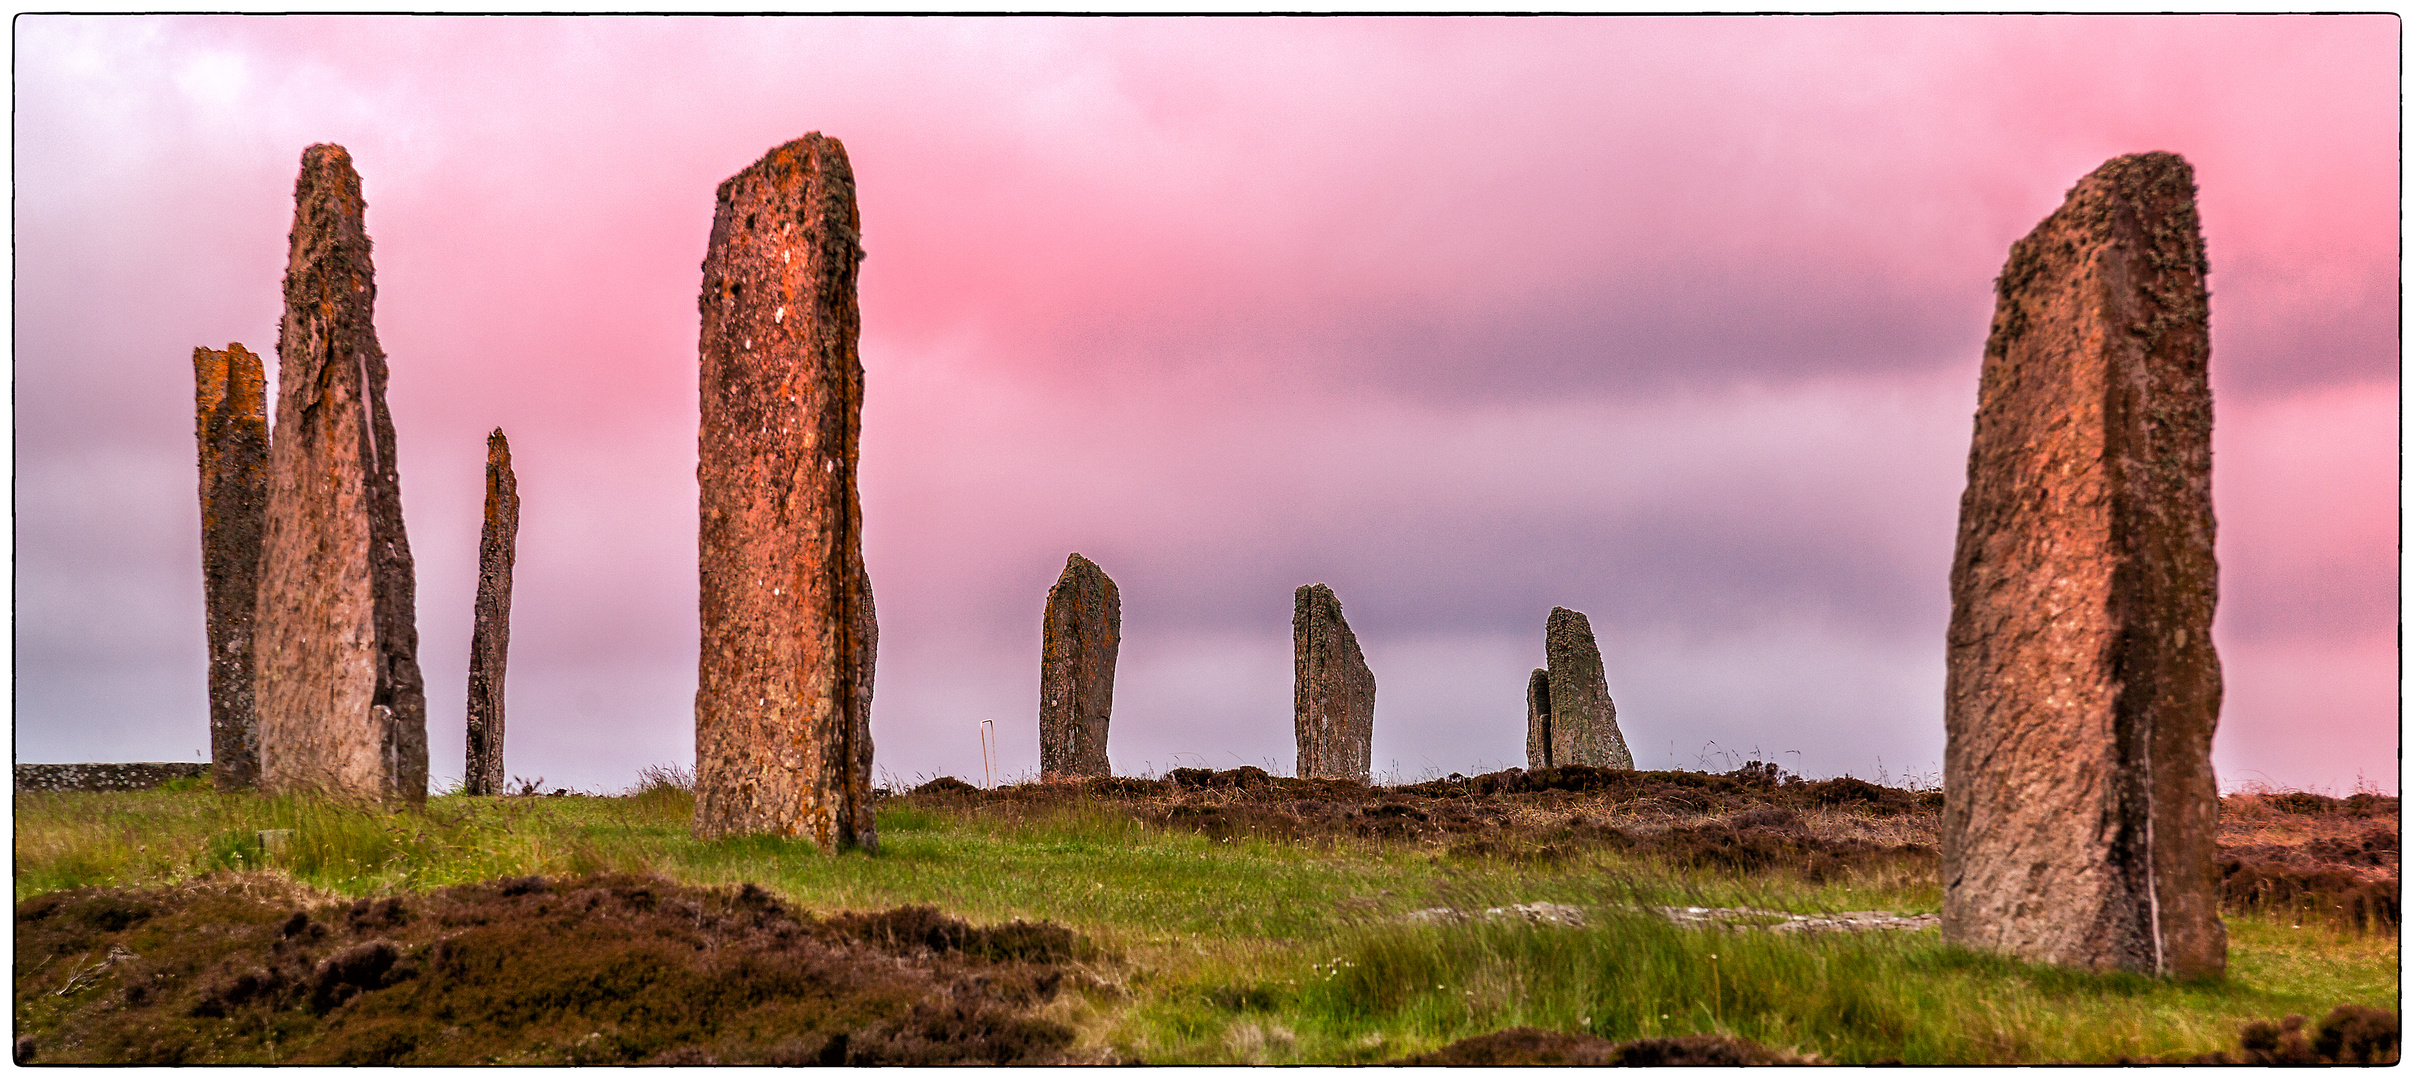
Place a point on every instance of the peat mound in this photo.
(590, 970)
(1536, 1046)
(1747, 821)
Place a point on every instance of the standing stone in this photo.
(784, 678)
(1583, 720)
(490, 634)
(2081, 687)
(1538, 720)
(230, 420)
(1079, 633)
(1332, 691)
(342, 708)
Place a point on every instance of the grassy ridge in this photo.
(1283, 951)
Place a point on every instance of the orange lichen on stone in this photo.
(342, 706)
(230, 421)
(2082, 686)
(490, 632)
(789, 636)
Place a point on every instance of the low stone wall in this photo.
(106, 775)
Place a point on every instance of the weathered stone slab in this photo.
(342, 707)
(1080, 632)
(490, 630)
(1332, 690)
(2081, 682)
(105, 775)
(230, 421)
(1538, 720)
(1583, 720)
(784, 680)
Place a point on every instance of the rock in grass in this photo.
(784, 679)
(490, 631)
(1332, 690)
(230, 421)
(342, 707)
(2081, 682)
(1080, 631)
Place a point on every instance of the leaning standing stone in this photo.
(2081, 683)
(1538, 720)
(1332, 691)
(230, 419)
(342, 709)
(1583, 720)
(784, 676)
(490, 634)
(1079, 633)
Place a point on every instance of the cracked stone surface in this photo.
(1572, 699)
(2082, 686)
(1538, 720)
(789, 636)
(1080, 632)
(1332, 690)
(342, 706)
(490, 631)
(230, 421)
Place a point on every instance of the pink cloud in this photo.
(1673, 318)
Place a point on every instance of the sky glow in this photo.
(1676, 322)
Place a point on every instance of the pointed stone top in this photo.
(2133, 176)
(329, 218)
(328, 179)
(1319, 596)
(234, 372)
(1076, 559)
(792, 163)
(2153, 194)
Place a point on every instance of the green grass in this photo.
(1255, 950)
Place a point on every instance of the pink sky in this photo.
(1676, 322)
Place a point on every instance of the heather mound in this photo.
(596, 969)
(1535, 1046)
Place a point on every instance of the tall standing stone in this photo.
(1538, 720)
(1332, 690)
(230, 420)
(1079, 633)
(490, 633)
(1583, 721)
(342, 708)
(784, 679)
(2081, 686)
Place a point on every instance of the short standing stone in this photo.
(1332, 691)
(784, 679)
(490, 633)
(1079, 634)
(2081, 686)
(1538, 720)
(1583, 720)
(342, 707)
(230, 420)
